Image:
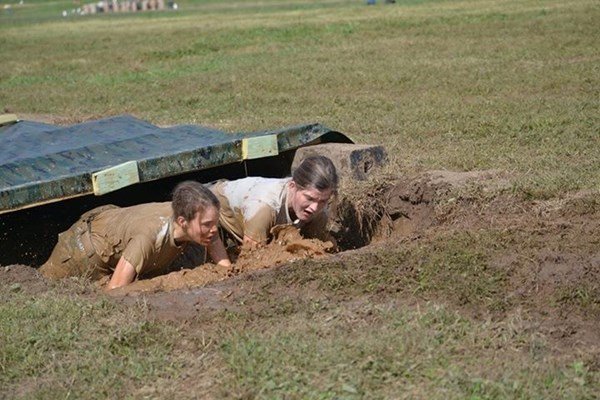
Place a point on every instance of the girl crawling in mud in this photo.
(251, 207)
(141, 240)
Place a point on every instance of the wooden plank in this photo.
(117, 177)
(259, 147)
(6, 119)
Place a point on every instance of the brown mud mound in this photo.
(286, 246)
(403, 207)
(413, 204)
(183, 279)
(23, 278)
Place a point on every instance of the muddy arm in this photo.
(251, 243)
(217, 252)
(124, 274)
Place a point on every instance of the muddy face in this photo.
(305, 203)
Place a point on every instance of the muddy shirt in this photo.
(141, 234)
(252, 206)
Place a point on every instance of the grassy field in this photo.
(458, 85)
(444, 84)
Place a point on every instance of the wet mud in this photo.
(401, 207)
(287, 246)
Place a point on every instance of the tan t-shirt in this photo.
(252, 206)
(142, 234)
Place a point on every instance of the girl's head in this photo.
(313, 183)
(317, 172)
(196, 210)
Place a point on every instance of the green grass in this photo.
(60, 347)
(368, 325)
(385, 352)
(385, 323)
(54, 346)
(455, 84)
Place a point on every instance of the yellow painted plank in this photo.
(113, 178)
(259, 147)
(8, 119)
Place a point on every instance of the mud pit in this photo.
(398, 208)
(287, 246)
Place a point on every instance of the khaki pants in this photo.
(74, 254)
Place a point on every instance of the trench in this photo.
(358, 216)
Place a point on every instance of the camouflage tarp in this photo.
(41, 163)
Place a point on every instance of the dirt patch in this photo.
(385, 207)
(23, 278)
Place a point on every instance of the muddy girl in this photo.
(251, 206)
(138, 241)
